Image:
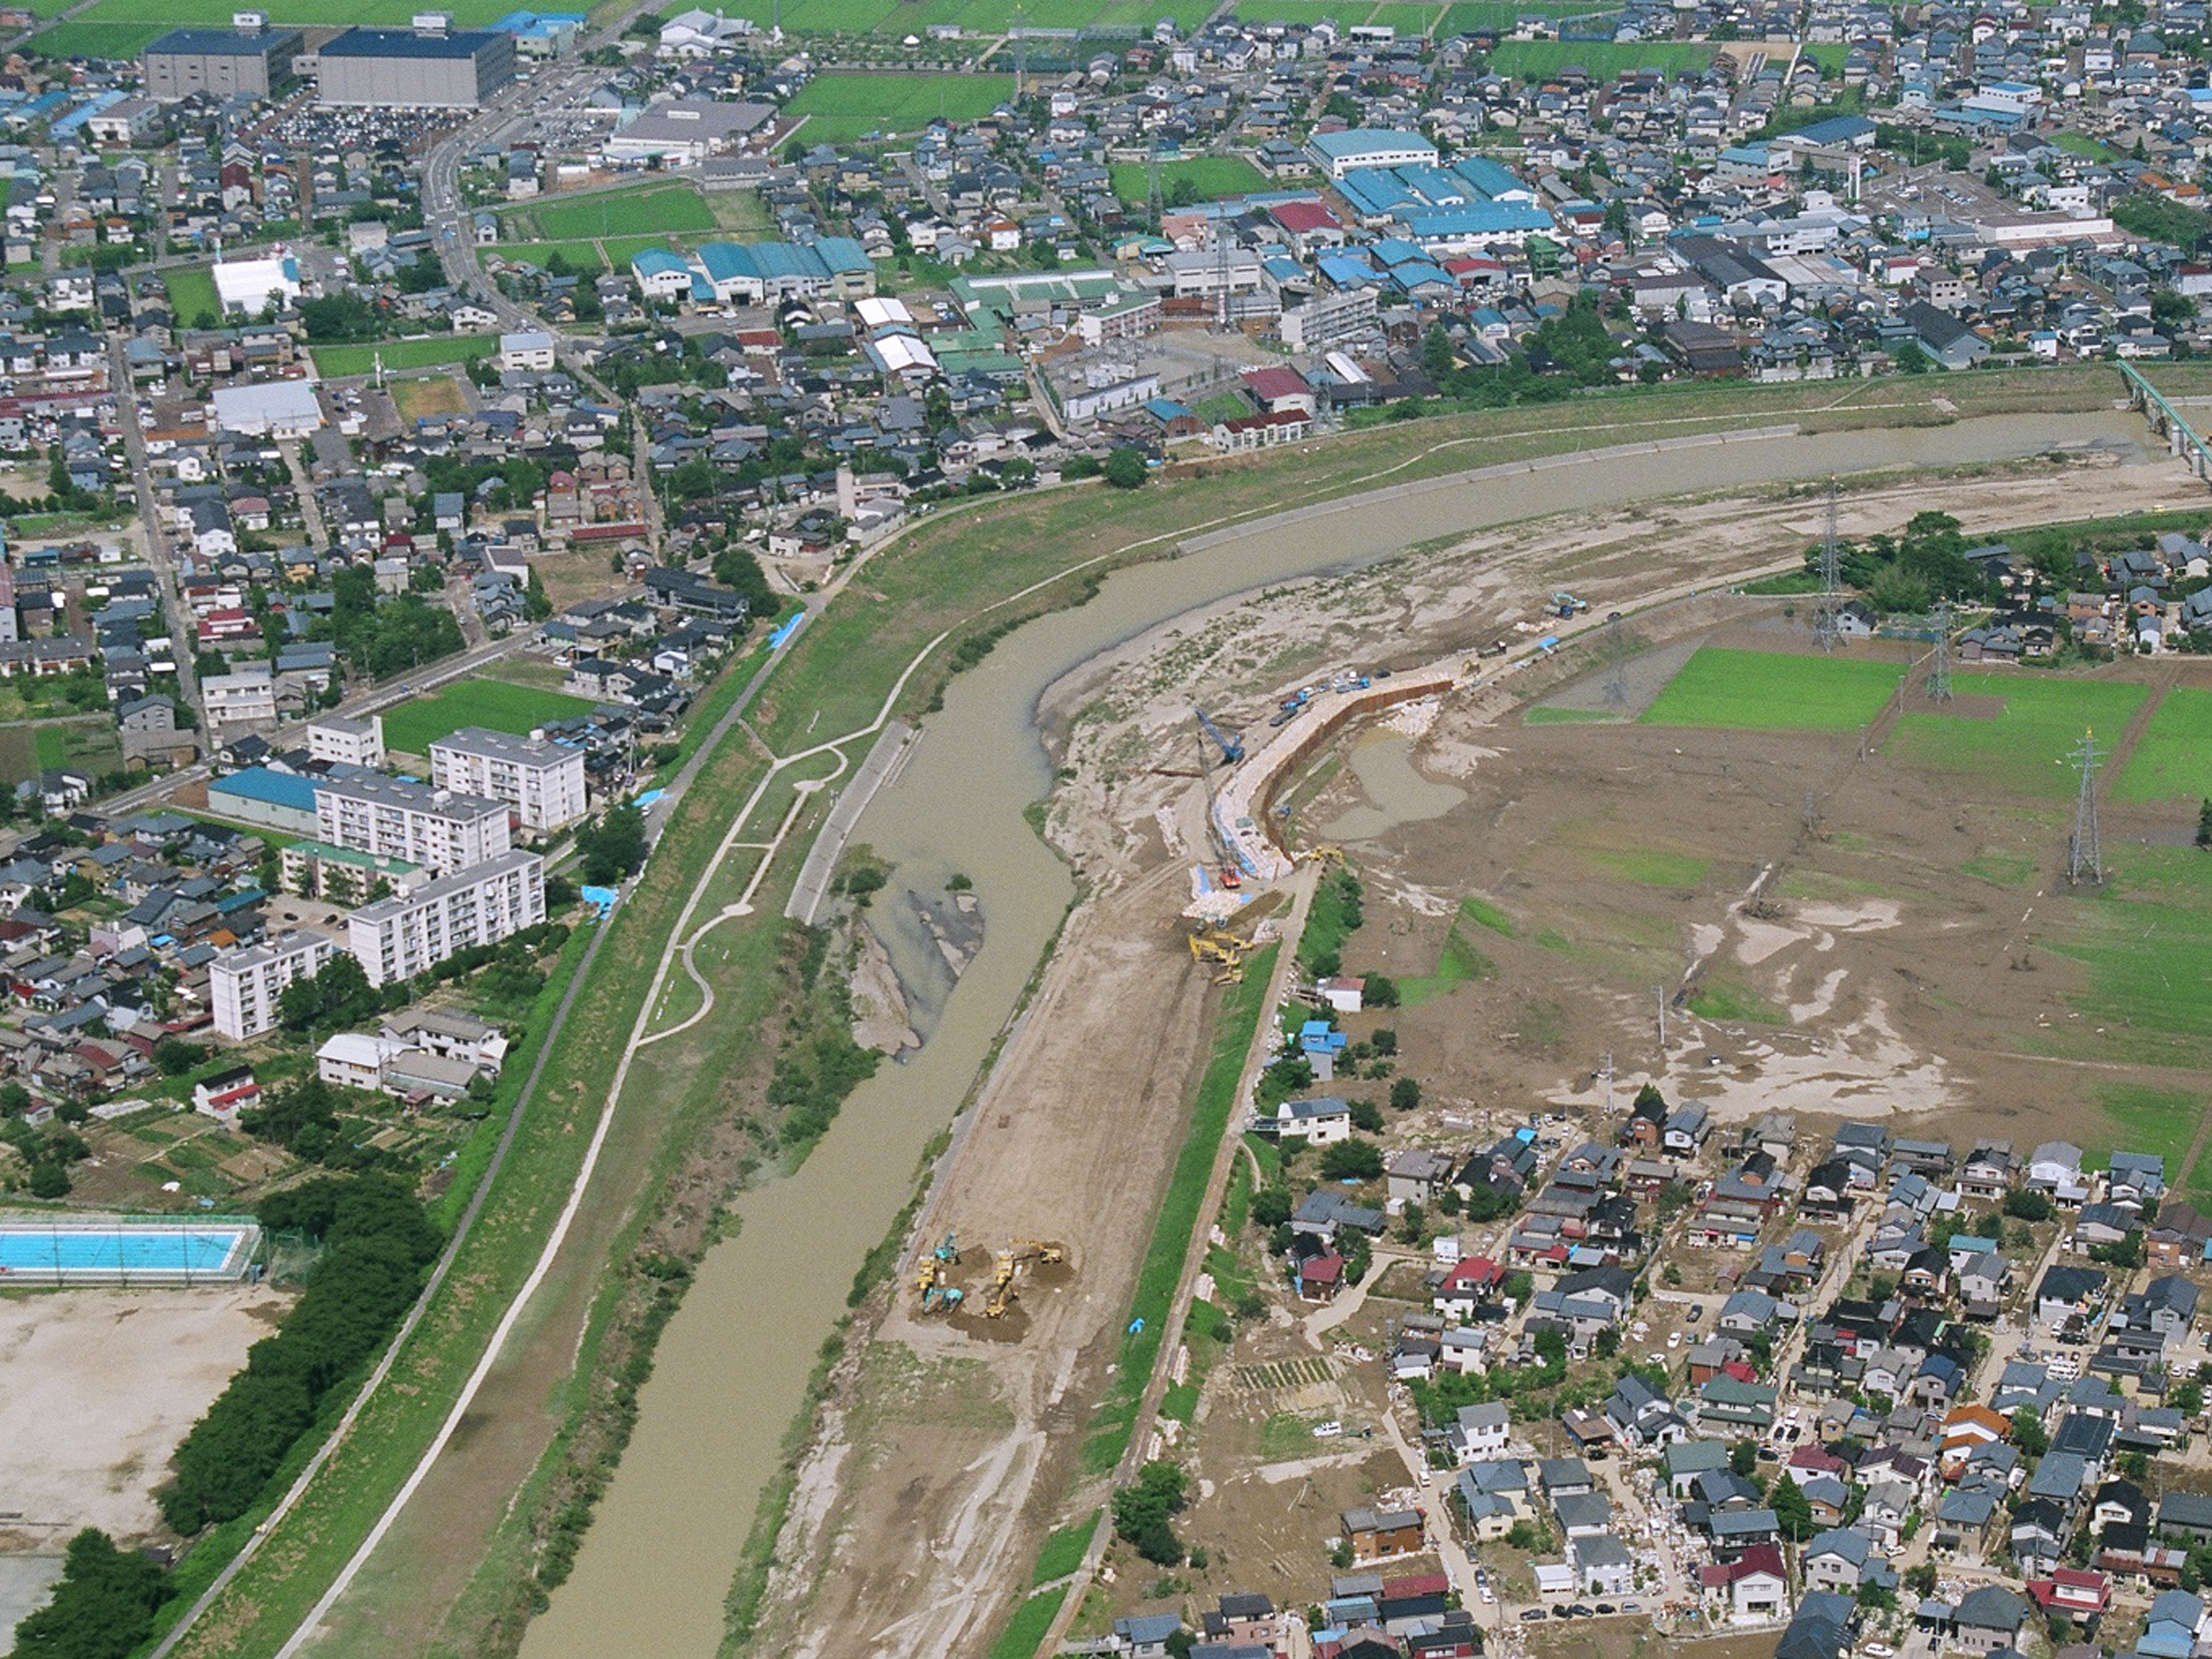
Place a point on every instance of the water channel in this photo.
(732, 1366)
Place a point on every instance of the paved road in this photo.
(158, 553)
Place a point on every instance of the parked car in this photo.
(1534, 1616)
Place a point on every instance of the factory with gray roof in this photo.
(252, 58)
(430, 65)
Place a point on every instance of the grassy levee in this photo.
(298, 1561)
(1235, 1022)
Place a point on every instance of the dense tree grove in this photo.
(376, 1241)
(613, 845)
(103, 1608)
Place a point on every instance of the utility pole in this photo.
(1827, 617)
(1609, 1082)
(1812, 815)
(1940, 670)
(2085, 856)
(1658, 995)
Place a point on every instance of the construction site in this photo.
(1822, 913)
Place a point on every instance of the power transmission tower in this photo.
(1221, 267)
(1617, 666)
(1940, 670)
(2085, 856)
(1828, 615)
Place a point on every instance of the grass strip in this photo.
(1031, 1620)
(1236, 1023)
(1064, 1551)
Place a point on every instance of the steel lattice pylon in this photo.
(1939, 670)
(1828, 615)
(2085, 855)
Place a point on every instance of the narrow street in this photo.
(159, 556)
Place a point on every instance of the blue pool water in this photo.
(129, 1250)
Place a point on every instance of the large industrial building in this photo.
(252, 58)
(426, 66)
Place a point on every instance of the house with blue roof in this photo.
(661, 275)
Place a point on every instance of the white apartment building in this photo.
(398, 938)
(541, 779)
(394, 818)
(244, 985)
(243, 699)
(347, 743)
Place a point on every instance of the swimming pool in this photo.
(77, 1253)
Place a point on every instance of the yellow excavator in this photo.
(931, 1271)
(1319, 855)
(1028, 1251)
(1222, 948)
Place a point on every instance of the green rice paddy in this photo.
(1774, 691)
(2172, 759)
(2024, 745)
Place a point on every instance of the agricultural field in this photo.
(2172, 759)
(1775, 691)
(122, 28)
(979, 17)
(496, 704)
(2144, 943)
(2018, 731)
(842, 108)
(191, 293)
(431, 351)
(1211, 176)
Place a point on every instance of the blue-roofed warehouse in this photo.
(267, 800)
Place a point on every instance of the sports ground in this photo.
(497, 704)
(844, 108)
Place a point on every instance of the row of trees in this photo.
(376, 1241)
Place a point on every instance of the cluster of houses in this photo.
(1861, 1277)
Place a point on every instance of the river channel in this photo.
(732, 1366)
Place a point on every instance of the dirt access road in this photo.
(947, 1445)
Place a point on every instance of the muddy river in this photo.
(732, 1366)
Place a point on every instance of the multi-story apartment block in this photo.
(394, 818)
(347, 743)
(398, 938)
(244, 985)
(543, 780)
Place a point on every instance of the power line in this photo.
(2085, 855)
